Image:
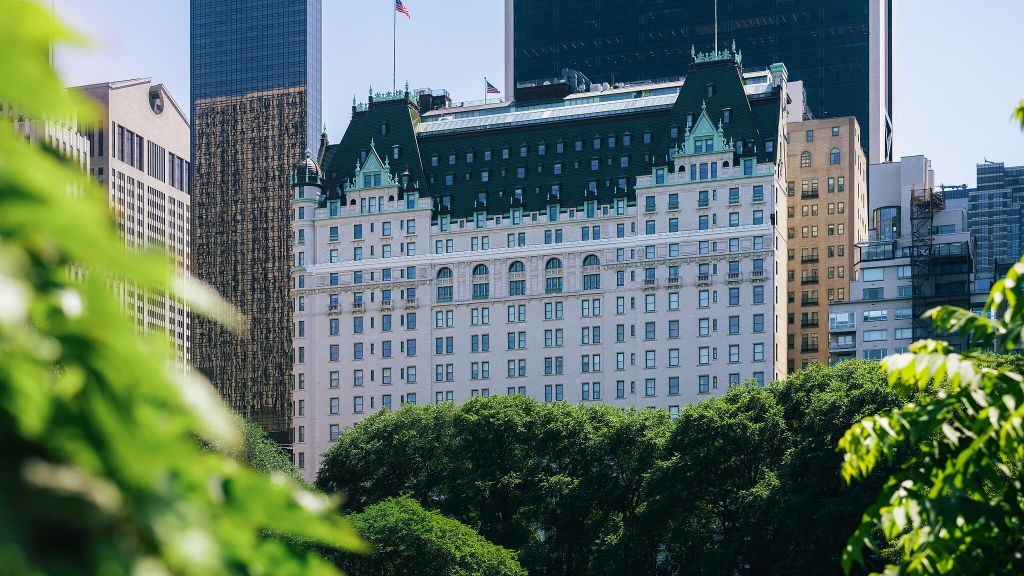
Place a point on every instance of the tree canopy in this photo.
(408, 540)
(749, 479)
(955, 505)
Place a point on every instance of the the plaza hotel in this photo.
(623, 245)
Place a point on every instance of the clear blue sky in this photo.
(956, 74)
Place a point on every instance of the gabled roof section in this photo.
(372, 172)
(704, 137)
(713, 86)
(385, 124)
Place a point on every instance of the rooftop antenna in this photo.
(716, 26)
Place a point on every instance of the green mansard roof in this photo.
(394, 120)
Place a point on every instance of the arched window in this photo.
(834, 156)
(517, 266)
(553, 264)
(592, 260)
(805, 159)
(481, 287)
(444, 273)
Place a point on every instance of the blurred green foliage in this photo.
(410, 541)
(100, 472)
(956, 504)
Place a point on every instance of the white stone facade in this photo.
(654, 303)
(140, 155)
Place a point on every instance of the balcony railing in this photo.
(357, 306)
(673, 279)
(410, 302)
(808, 323)
(808, 259)
(650, 281)
(809, 348)
(734, 276)
(844, 326)
(808, 301)
(809, 194)
(673, 205)
(810, 280)
(837, 346)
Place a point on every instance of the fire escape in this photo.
(941, 272)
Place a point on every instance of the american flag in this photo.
(491, 89)
(399, 7)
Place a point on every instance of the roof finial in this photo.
(703, 105)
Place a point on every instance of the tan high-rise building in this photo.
(140, 155)
(827, 209)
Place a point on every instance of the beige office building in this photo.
(140, 155)
(61, 135)
(827, 209)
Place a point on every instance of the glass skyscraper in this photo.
(255, 109)
(994, 214)
(841, 50)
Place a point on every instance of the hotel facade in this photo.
(550, 252)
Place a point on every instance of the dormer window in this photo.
(523, 150)
(726, 115)
(710, 90)
(362, 156)
(396, 151)
(469, 157)
(542, 149)
(673, 132)
(487, 155)
(451, 159)
(434, 160)
(385, 129)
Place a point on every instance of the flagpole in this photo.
(394, 47)
(485, 89)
